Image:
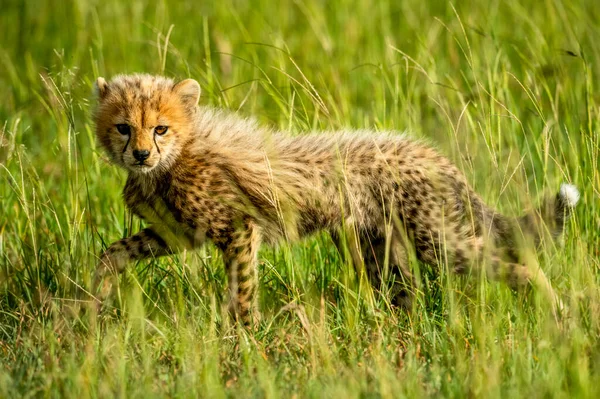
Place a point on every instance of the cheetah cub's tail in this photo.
(567, 199)
(552, 214)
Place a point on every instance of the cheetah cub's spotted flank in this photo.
(199, 173)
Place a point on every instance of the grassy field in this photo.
(507, 89)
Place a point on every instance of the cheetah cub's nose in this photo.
(141, 155)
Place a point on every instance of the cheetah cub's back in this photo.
(198, 173)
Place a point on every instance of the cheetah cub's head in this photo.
(143, 121)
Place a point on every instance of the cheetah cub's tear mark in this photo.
(198, 173)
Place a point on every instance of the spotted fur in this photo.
(216, 176)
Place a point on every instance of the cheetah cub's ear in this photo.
(101, 87)
(188, 90)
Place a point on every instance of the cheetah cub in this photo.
(199, 173)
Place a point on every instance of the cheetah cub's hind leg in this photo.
(384, 261)
(388, 267)
(517, 276)
(240, 257)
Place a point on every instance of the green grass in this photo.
(507, 89)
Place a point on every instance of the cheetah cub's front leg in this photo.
(240, 257)
(113, 261)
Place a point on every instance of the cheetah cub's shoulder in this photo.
(199, 173)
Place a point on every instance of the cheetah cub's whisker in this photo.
(199, 173)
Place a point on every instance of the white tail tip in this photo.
(570, 194)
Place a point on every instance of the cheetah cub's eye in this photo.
(124, 129)
(161, 130)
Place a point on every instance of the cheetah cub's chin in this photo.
(198, 173)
